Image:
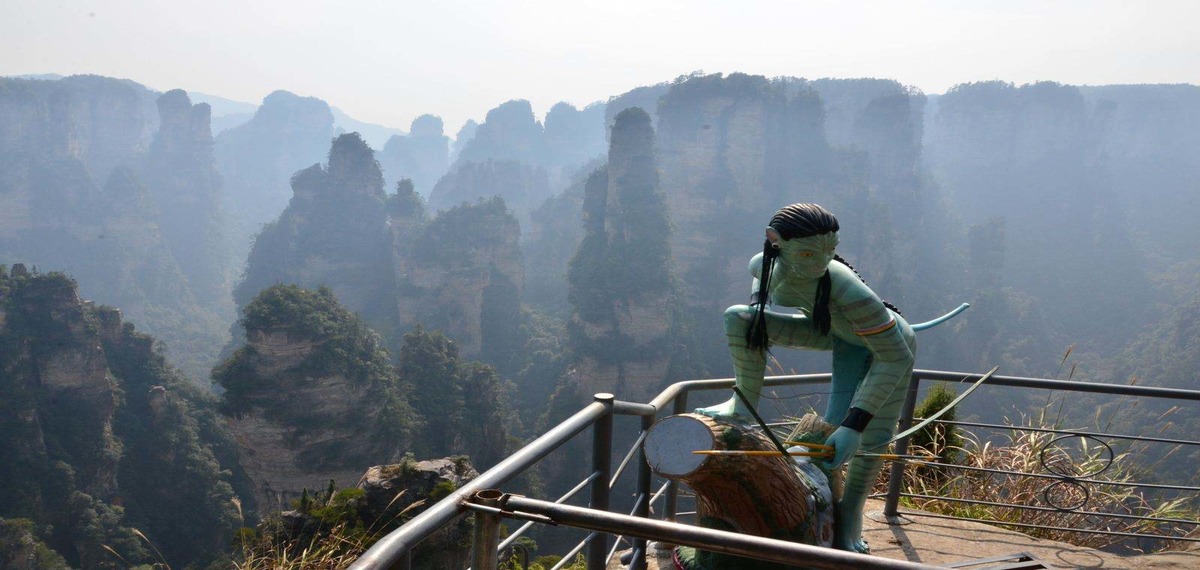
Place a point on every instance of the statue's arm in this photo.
(755, 272)
(879, 330)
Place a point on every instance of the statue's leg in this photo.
(749, 366)
(850, 365)
(862, 473)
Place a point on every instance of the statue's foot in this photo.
(731, 409)
(856, 545)
(847, 533)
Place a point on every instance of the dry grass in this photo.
(332, 547)
(338, 548)
(1023, 452)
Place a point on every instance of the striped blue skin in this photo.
(873, 352)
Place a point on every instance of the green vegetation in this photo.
(87, 448)
(937, 439)
(465, 405)
(335, 343)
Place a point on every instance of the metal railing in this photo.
(394, 550)
(1059, 477)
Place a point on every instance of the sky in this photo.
(389, 61)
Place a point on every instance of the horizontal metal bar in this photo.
(671, 392)
(712, 540)
(389, 550)
(1050, 476)
(1046, 509)
(1044, 527)
(1065, 385)
(566, 496)
(1069, 432)
(622, 408)
(503, 513)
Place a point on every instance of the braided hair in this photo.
(794, 221)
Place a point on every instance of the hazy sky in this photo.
(389, 61)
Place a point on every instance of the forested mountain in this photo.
(590, 250)
(621, 286)
(348, 405)
(422, 156)
(114, 184)
(257, 158)
(102, 438)
(381, 253)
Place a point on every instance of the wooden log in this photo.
(771, 496)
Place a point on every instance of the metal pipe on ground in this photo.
(708, 539)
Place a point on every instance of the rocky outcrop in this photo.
(183, 181)
(521, 185)
(509, 133)
(620, 277)
(381, 255)
(85, 189)
(344, 408)
(386, 496)
(458, 255)
(511, 155)
(334, 232)
(256, 160)
(100, 121)
(20, 548)
(92, 420)
(573, 137)
(422, 156)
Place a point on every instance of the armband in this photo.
(857, 419)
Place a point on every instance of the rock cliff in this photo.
(333, 232)
(1034, 158)
(511, 155)
(344, 407)
(257, 159)
(621, 283)
(89, 181)
(180, 172)
(422, 156)
(98, 433)
(382, 255)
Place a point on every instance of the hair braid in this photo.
(756, 335)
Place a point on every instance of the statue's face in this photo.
(810, 256)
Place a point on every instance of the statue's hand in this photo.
(845, 442)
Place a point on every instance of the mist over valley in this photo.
(211, 308)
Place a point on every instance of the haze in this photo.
(387, 62)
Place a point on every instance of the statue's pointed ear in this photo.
(774, 237)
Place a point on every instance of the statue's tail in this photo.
(941, 319)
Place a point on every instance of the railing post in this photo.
(602, 464)
(486, 537)
(643, 505)
(671, 504)
(896, 478)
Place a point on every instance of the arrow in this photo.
(821, 454)
(939, 413)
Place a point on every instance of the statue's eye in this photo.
(806, 254)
